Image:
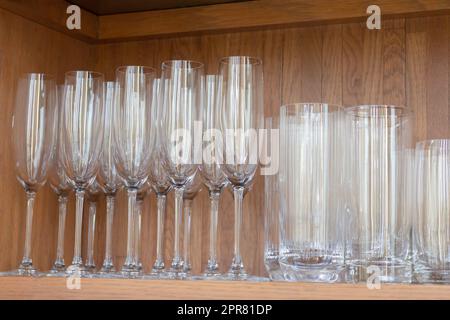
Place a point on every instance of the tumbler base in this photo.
(386, 271)
(308, 273)
(273, 269)
(276, 275)
(430, 275)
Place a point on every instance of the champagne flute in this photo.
(82, 133)
(211, 171)
(241, 117)
(108, 177)
(60, 185)
(33, 138)
(182, 100)
(134, 141)
(160, 183)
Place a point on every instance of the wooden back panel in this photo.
(404, 63)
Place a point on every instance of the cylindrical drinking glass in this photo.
(379, 234)
(311, 192)
(272, 203)
(432, 223)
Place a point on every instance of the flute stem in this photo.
(129, 261)
(187, 236)
(177, 263)
(213, 266)
(137, 231)
(62, 212)
(237, 267)
(158, 266)
(77, 262)
(108, 265)
(90, 263)
(26, 266)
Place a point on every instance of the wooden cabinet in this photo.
(311, 50)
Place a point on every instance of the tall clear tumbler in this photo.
(311, 192)
(272, 202)
(378, 228)
(432, 223)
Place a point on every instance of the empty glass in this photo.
(272, 204)
(108, 177)
(211, 171)
(182, 99)
(311, 192)
(81, 140)
(60, 185)
(134, 141)
(432, 222)
(34, 126)
(159, 180)
(408, 197)
(241, 116)
(379, 234)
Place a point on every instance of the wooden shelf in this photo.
(55, 288)
(212, 18)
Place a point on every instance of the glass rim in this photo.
(193, 64)
(146, 70)
(433, 143)
(94, 74)
(291, 107)
(255, 61)
(46, 76)
(353, 110)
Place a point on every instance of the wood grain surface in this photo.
(253, 14)
(55, 288)
(405, 63)
(53, 14)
